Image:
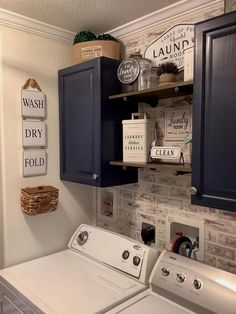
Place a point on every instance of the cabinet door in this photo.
(214, 113)
(79, 122)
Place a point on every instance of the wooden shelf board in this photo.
(173, 90)
(175, 167)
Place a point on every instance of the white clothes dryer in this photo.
(98, 271)
(179, 285)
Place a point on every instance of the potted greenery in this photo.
(167, 73)
(87, 45)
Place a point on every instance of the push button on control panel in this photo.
(82, 237)
(125, 254)
(136, 260)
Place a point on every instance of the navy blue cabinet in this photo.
(214, 114)
(90, 125)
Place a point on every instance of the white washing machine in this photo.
(179, 285)
(97, 271)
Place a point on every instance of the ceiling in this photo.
(97, 16)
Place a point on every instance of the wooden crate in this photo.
(96, 48)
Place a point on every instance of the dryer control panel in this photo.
(115, 250)
(195, 285)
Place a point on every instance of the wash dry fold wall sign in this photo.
(170, 46)
(34, 131)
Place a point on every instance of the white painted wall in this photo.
(24, 56)
(1, 224)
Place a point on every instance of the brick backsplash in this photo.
(159, 193)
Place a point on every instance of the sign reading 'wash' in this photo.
(33, 104)
(170, 46)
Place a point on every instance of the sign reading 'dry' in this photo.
(177, 123)
(33, 104)
(34, 162)
(33, 134)
(162, 152)
(170, 46)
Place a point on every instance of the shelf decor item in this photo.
(167, 73)
(138, 134)
(135, 72)
(87, 46)
(38, 200)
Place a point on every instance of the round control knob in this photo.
(197, 284)
(180, 277)
(82, 237)
(136, 260)
(125, 254)
(165, 271)
(193, 190)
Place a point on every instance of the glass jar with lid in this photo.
(144, 78)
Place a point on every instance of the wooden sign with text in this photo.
(170, 46)
(33, 104)
(34, 163)
(34, 134)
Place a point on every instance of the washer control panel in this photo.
(193, 282)
(112, 249)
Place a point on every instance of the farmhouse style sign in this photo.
(162, 152)
(33, 104)
(128, 71)
(170, 46)
(177, 123)
(34, 162)
(33, 134)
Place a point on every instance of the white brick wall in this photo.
(160, 193)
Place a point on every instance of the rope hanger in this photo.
(32, 83)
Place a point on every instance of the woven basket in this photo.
(38, 200)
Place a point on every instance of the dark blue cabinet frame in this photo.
(91, 125)
(214, 113)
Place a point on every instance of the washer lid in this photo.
(66, 282)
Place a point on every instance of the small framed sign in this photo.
(128, 71)
(33, 104)
(34, 134)
(34, 163)
(177, 123)
(162, 152)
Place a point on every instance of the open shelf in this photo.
(173, 90)
(175, 167)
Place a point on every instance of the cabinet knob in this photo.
(95, 176)
(193, 190)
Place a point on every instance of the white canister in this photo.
(138, 135)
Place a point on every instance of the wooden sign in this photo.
(177, 123)
(128, 71)
(170, 46)
(33, 134)
(33, 104)
(162, 152)
(34, 163)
